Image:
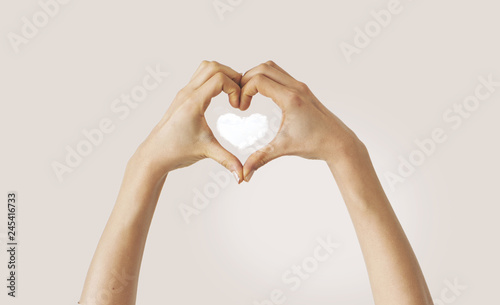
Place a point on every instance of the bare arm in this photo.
(311, 131)
(393, 269)
(181, 138)
(308, 129)
(114, 271)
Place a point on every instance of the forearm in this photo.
(393, 269)
(114, 272)
(181, 138)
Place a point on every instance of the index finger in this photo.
(265, 86)
(218, 83)
(207, 69)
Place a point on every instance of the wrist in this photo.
(138, 196)
(349, 152)
(137, 199)
(357, 179)
(143, 164)
(144, 171)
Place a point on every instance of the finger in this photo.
(274, 65)
(214, 86)
(272, 73)
(207, 69)
(218, 153)
(261, 157)
(267, 87)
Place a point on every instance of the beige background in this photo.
(392, 93)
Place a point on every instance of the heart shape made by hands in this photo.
(242, 132)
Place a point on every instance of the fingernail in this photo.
(249, 176)
(236, 176)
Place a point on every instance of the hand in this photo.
(308, 128)
(183, 137)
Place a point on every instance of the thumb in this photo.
(260, 158)
(219, 154)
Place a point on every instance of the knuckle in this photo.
(263, 156)
(212, 66)
(258, 78)
(294, 98)
(204, 64)
(262, 161)
(182, 94)
(219, 76)
(302, 87)
(224, 163)
(262, 68)
(265, 152)
(270, 63)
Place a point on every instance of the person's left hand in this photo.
(183, 137)
(308, 129)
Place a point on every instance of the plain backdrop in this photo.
(394, 92)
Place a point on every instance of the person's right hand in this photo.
(308, 128)
(183, 137)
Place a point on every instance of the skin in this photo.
(308, 130)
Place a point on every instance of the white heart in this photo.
(242, 132)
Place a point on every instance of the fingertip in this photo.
(222, 156)
(249, 176)
(248, 171)
(235, 168)
(234, 100)
(245, 101)
(233, 164)
(236, 176)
